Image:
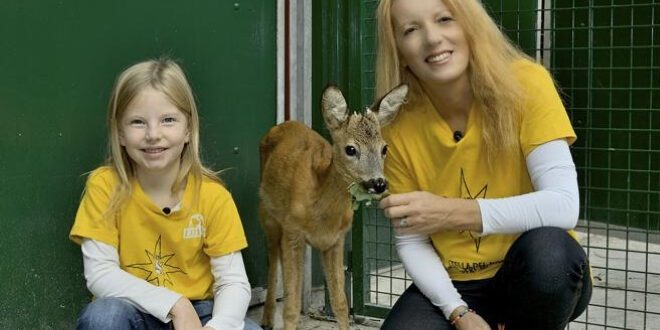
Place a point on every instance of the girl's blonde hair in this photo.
(166, 76)
(494, 86)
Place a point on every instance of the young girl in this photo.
(485, 189)
(160, 235)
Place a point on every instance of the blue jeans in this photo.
(544, 283)
(116, 313)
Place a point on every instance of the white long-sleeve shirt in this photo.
(106, 279)
(554, 202)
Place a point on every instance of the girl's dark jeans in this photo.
(544, 283)
(117, 313)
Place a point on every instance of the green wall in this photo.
(59, 60)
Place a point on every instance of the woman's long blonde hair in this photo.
(166, 76)
(494, 86)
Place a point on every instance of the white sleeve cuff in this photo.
(422, 263)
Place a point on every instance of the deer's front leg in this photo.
(333, 264)
(293, 248)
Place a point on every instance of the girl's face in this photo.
(154, 133)
(430, 42)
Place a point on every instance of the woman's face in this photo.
(430, 41)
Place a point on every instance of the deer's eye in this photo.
(384, 151)
(350, 151)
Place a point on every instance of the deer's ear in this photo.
(333, 107)
(390, 104)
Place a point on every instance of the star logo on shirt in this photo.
(157, 269)
(467, 194)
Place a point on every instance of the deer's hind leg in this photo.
(333, 265)
(293, 249)
(273, 239)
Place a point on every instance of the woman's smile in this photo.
(439, 58)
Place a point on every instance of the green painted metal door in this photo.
(59, 60)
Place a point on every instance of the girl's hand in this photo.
(472, 321)
(426, 213)
(184, 316)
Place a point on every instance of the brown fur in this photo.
(304, 196)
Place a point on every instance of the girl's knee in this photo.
(106, 313)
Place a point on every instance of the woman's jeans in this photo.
(116, 313)
(544, 283)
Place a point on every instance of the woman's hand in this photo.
(471, 321)
(421, 212)
(184, 316)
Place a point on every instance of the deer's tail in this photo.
(266, 146)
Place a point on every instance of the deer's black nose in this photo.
(375, 186)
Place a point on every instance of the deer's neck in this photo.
(335, 185)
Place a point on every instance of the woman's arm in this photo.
(106, 279)
(232, 292)
(555, 201)
(422, 263)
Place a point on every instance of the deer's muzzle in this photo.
(375, 186)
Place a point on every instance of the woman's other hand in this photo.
(471, 321)
(421, 212)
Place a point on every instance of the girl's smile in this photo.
(154, 150)
(154, 132)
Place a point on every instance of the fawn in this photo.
(304, 196)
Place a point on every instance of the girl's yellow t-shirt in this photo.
(172, 250)
(424, 156)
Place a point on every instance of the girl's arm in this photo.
(106, 279)
(232, 292)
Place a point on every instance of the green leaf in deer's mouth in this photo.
(358, 194)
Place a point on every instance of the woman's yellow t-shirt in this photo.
(424, 156)
(172, 250)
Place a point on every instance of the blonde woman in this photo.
(160, 235)
(485, 194)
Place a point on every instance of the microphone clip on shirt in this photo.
(458, 135)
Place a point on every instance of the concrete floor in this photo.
(315, 318)
(624, 269)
